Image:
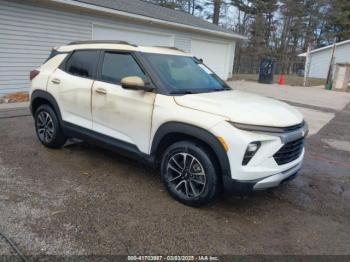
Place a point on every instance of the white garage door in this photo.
(214, 55)
(138, 37)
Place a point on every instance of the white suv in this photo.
(165, 107)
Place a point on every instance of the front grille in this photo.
(289, 152)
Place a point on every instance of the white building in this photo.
(30, 28)
(320, 58)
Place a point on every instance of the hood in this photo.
(242, 107)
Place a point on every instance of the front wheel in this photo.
(189, 174)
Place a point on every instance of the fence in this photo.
(251, 65)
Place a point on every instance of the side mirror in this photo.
(199, 60)
(135, 83)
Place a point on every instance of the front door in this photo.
(122, 114)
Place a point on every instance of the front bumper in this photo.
(243, 187)
(263, 164)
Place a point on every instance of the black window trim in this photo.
(53, 53)
(114, 51)
(159, 88)
(158, 84)
(63, 65)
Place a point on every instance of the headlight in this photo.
(252, 148)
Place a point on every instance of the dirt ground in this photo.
(82, 200)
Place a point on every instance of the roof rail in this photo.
(101, 42)
(170, 47)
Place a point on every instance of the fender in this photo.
(41, 94)
(197, 132)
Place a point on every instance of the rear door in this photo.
(71, 86)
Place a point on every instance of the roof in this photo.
(154, 11)
(120, 45)
(326, 47)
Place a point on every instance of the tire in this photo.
(47, 127)
(194, 183)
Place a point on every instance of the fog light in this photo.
(250, 152)
(252, 147)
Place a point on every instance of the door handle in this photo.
(101, 91)
(56, 81)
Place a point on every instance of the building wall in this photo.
(319, 61)
(28, 32)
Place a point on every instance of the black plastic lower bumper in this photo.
(244, 188)
(237, 188)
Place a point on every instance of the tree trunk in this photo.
(216, 14)
(193, 7)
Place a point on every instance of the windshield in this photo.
(184, 75)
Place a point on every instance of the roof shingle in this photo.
(158, 12)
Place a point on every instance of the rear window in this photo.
(54, 52)
(82, 63)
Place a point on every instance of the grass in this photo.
(292, 80)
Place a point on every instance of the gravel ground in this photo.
(82, 200)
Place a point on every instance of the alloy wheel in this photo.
(45, 127)
(186, 175)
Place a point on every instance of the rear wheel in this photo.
(189, 174)
(48, 128)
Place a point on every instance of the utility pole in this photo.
(307, 65)
(330, 68)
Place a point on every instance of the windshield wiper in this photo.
(182, 92)
(225, 88)
(220, 89)
(188, 92)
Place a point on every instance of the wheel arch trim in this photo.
(197, 132)
(40, 94)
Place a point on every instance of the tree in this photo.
(256, 20)
(166, 3)
(280, 29)
(338, 20)
(293, 13)
(242, 26)
(216, 13)
(188, 6)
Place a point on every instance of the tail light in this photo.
(33, 74)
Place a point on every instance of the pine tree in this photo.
(338, 22)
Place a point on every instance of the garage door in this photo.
(214, 55)
(138, 37)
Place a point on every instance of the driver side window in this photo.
(116, 66)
